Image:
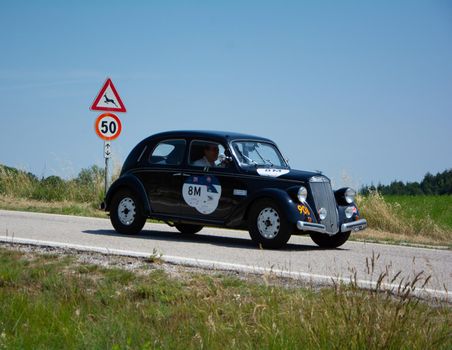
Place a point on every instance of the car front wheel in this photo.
(127, 214)
(326, 241)
(268, 225)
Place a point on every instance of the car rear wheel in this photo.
(268, 225)
(325, 241)
(188, 229)
(127, 213)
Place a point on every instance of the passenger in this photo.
(210, 156)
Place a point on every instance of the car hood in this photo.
(287, 174)
(299, 175)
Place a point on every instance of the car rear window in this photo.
(168, 152)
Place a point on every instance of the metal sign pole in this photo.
(107, 154)
(106, 175)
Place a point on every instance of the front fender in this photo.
(132, 183)
(281, 197)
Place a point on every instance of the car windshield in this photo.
(255, 153)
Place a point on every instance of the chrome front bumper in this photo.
(354, 226)
(309, 226)
(349, 226)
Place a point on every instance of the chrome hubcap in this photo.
(126, 211)
(268, 223)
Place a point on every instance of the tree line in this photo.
(439, 184)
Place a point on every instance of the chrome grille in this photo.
(324, 198)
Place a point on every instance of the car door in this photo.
(162, 176)
(210, 193)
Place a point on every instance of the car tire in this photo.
(188, 229)
(268, 225)
(325, 241)
(127, 213)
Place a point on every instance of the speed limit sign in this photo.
(108, 126)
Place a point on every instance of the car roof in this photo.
(209, 134)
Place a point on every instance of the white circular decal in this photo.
(202, 193)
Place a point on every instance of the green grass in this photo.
(49, 302)
(438, 208)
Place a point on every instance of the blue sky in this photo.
(348, 87)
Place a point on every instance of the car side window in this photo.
(168, 152)
(206, 154)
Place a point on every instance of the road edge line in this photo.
(443, 295)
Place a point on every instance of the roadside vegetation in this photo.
(420, 219)
(410, 219)
(86, 187)
(411, 212)
(52, 301)
(20, 190)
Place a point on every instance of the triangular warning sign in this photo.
(108, 99)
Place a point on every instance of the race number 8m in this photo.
(108, 126)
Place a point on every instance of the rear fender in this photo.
(131, 183)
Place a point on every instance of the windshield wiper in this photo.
(250, 160)
(245, 157)
(265, 160)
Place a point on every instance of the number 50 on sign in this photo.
(108, 126)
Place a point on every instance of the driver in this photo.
(210, 156)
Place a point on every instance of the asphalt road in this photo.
(228, 249)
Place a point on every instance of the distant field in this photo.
(439, 208)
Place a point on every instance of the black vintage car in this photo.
(191, 179)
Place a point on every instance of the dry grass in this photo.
(377, 236)
(387, 222)
(61, 207)
(16, 183)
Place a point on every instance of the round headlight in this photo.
(349, 211)
(322, 213)
(302, 194)
(350, 195)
